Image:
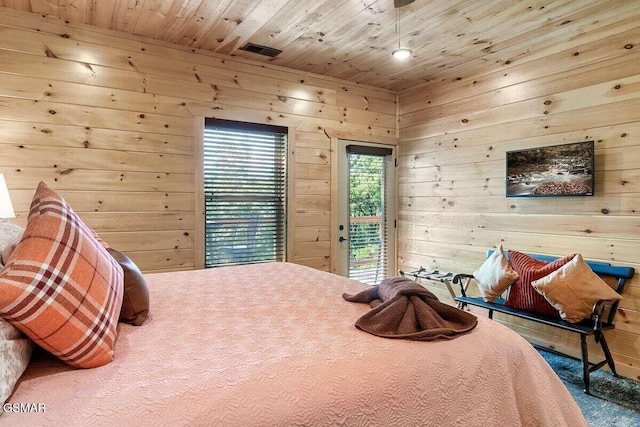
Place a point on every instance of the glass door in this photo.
(366, 211)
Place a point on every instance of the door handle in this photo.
(341, 239)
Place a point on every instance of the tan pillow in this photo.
(573, 289)
(61, 287)
(495, 275)
(135, 303)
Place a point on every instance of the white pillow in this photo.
(15, 352)
(573, 289)
(495, 275)
(8, 232)
(5, 254)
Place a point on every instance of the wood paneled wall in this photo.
(108, 120)
(453, 139)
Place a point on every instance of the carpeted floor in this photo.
(614, 401)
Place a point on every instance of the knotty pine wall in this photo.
(108, 120)
(453, 139)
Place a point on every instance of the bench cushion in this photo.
(522, 295)
(573, 289)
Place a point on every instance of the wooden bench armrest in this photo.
(598, 311)
(458, 279)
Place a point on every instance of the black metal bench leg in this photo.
(585, 363)
(607, 354)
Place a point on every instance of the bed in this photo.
(274, 344)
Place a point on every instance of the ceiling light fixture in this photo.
(400, 52)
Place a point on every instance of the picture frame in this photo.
(551, 171)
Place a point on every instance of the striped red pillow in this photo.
(522, 294)
(61, 287)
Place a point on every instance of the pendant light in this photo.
(401, 52)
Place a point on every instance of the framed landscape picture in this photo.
(556, 170)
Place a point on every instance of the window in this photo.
(245, 177)
(368, 216)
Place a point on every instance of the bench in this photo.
(601, 319)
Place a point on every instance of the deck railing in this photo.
(366, 248)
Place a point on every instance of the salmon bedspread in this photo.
(275, 345)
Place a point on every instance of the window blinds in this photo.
(245, 190)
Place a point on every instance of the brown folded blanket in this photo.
(402, 308)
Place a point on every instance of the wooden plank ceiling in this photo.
(348, 39)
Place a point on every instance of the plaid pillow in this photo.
(61, 287)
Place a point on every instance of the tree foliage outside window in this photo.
(365, 195)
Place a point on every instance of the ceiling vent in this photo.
(261, 50)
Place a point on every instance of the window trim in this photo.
(198, 250)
